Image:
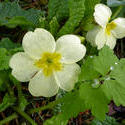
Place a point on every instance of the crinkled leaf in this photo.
(54, 26)
(58, 8)
(76, 13)
(94, 99)
(89, 10)
(11, 11)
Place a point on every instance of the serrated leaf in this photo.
(72, 105)
(87, 70)
(118, 73)
(89, 10)
(10, 10)
(4, 59)
(76, 13)
(7, 101)
(114, 91)
(115, 87)
(58, 9)
(94, 99)
(56, 120)
(105, 60)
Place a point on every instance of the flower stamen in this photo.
(49, 62)
(109, 27)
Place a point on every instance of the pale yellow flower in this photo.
(47, 64)
(107, 32)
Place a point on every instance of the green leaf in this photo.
(56, 120)
(58, 9)
(54, 26)
(89, 10)
(8, 44)
(76, 13)
(87, 70)
(105, 60)
(4, 59)
(108, 121)
(114, 3)
(19, 20)
(11, 12)
(72, 105)
(118, 72)
(7, 101)
(114, 91)
(94, 99)
(115, 87)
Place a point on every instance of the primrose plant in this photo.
(91, 83)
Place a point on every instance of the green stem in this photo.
(6, 120)
(49, 106)
(117, 12)
(27, 117)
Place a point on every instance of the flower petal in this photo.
(67, 78)
(119, 30)
(111, 41)
(22, 67)
(41, 85)
(91, 35)
(71, 49)
(102, 14)
(37, 42)
(100, 39)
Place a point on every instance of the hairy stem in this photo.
(8, 119)
(49, 106)
(27, 117)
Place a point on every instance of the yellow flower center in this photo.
(49, 62)
(109, 27)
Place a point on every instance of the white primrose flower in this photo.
(107, 32)
(47, 64)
